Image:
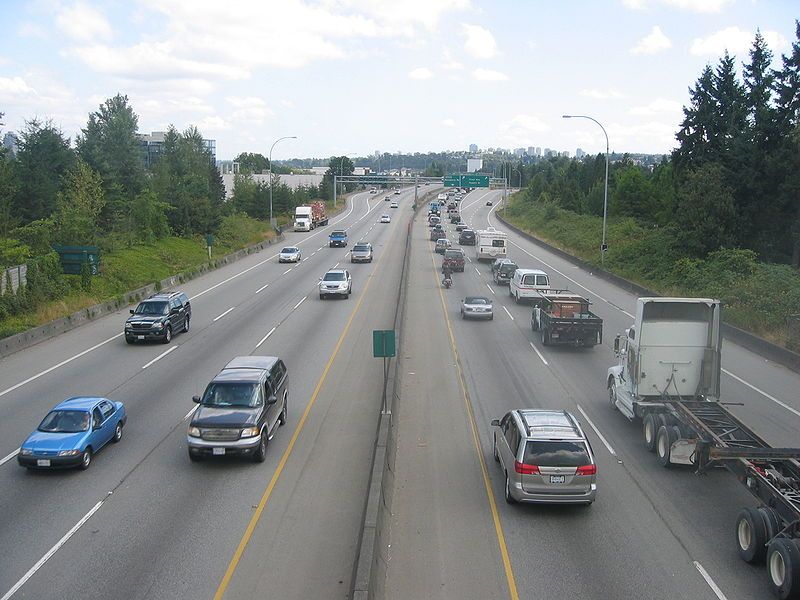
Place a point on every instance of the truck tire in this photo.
(534, 324)
(650, 427)
(751, 536)
(783, 566)
(771, 521)
(664, 439)
(545, 338)
(612, 395)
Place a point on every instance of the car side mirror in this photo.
(495, 422)
(196, 399)
(272, 399)
(131, 311)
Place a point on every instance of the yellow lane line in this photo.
(251, 526)
(498, 526)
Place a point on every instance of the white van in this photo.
(526, 283)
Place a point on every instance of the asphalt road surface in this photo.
(652, 533)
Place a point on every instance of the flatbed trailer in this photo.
(564, 318)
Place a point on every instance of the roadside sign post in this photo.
(209, 243)
(383, 346)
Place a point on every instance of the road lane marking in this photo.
(336, 266)
(508, 313)
(714, 587)
(266, 337)
(262, 288)
(476, 270)
(189, 414)
(491, 290)
(469, 259)
(32, 571)
(160, 356)
(286, 271)
(498, 526)
(597, 431)
(56, 366)
(223, 314)
(306, 258)
(535, 349)
(5, 459)
(299, 303)
(251, 526)
(762, 392)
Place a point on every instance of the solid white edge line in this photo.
(5, 459)
(299, 303)
(223, 314)
(597, 431)
(262, 288)
(189, 414)
(763, 393)
(491, 290)
(264, 339)
(56, 366)
(714, 587)
(160, 356)
(508, 313)
(535, 349)
(32, 571)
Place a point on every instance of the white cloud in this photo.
(488, 75)
(658, 106)
(634, 4)
(84, 23)
(652, 43)
(420, 73)
(449, 123)
(409, 13)
(698, 6)
(31, 30)
(249, 109)
(599, 94)
(479, 42)
(735, 41)
(449, 63)
(14, 87)
(522, 130)
(287, 103)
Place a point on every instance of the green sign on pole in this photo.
(469, 180)
(383, 343)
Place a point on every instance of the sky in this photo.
(355, 76)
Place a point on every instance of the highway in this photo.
(145, 522)
(652, 533)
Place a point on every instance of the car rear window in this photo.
(508, 268)
(556, 454)
(475, 300)
(453, 254)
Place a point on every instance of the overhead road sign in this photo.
(468, 180)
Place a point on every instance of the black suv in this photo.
(241, 409)
(466, 237)
(159, 318)
(503, 270)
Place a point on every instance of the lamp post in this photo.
(603, 245)
(288, 137)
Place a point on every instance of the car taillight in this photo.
(586, 470)
(524, 469)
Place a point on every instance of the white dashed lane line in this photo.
(269, 333)
(535, 349)
(287, 270)
(296, 305)
(510, 316)
(491, 290)
(597, 431)
(7, 458)
(160, 356)
(217, 318)
(262, 288)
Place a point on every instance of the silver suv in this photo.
(361, 252)
(336, 282)
(545, 457)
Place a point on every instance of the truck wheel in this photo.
(612, 396)
(534, 324)
(751, 536)
(664, 439)
(545, 338)
(771, 521)
(650, 431)
(783, 566)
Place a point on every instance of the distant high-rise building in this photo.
(548, 153)
(579, 153)
(520, 152)
(152, 145)
(531, 151)
(538, 151)
(11, 143)
(473, 148)
(490, 150)
(565, 153)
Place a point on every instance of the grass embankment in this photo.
(126, 269)
(758, 297)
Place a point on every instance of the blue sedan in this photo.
(72, 433)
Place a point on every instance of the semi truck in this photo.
(667, 377)
(309, 216)
(564, 318)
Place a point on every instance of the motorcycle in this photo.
(447, 282)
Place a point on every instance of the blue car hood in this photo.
(40, 440)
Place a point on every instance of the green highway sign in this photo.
(470, 180)
(383, 345)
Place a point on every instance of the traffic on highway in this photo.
(553, 435)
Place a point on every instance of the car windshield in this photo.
(232, 394)
(152, 308)
(65, 421)
(556, 454)
(338, 234)
(476, 300)
(333, 277)
(289, 250)
(361, 248)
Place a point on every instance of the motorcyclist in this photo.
(447, 271)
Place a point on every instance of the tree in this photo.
(250, 162)
(694, 135)
(109, 144)
(44, 157)
(705, 206)
(79, 206)
(633, 195)
(787, 86)
(339, 165)
(8, 191)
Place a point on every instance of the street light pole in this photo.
(288, 137)
(603, 245)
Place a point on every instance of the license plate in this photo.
(555, 335)
(556, 478)
(43, 462)
(221, 451)
(139, 337)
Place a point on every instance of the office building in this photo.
(473, 148)
(152, 145)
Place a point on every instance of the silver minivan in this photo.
(545, 457)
